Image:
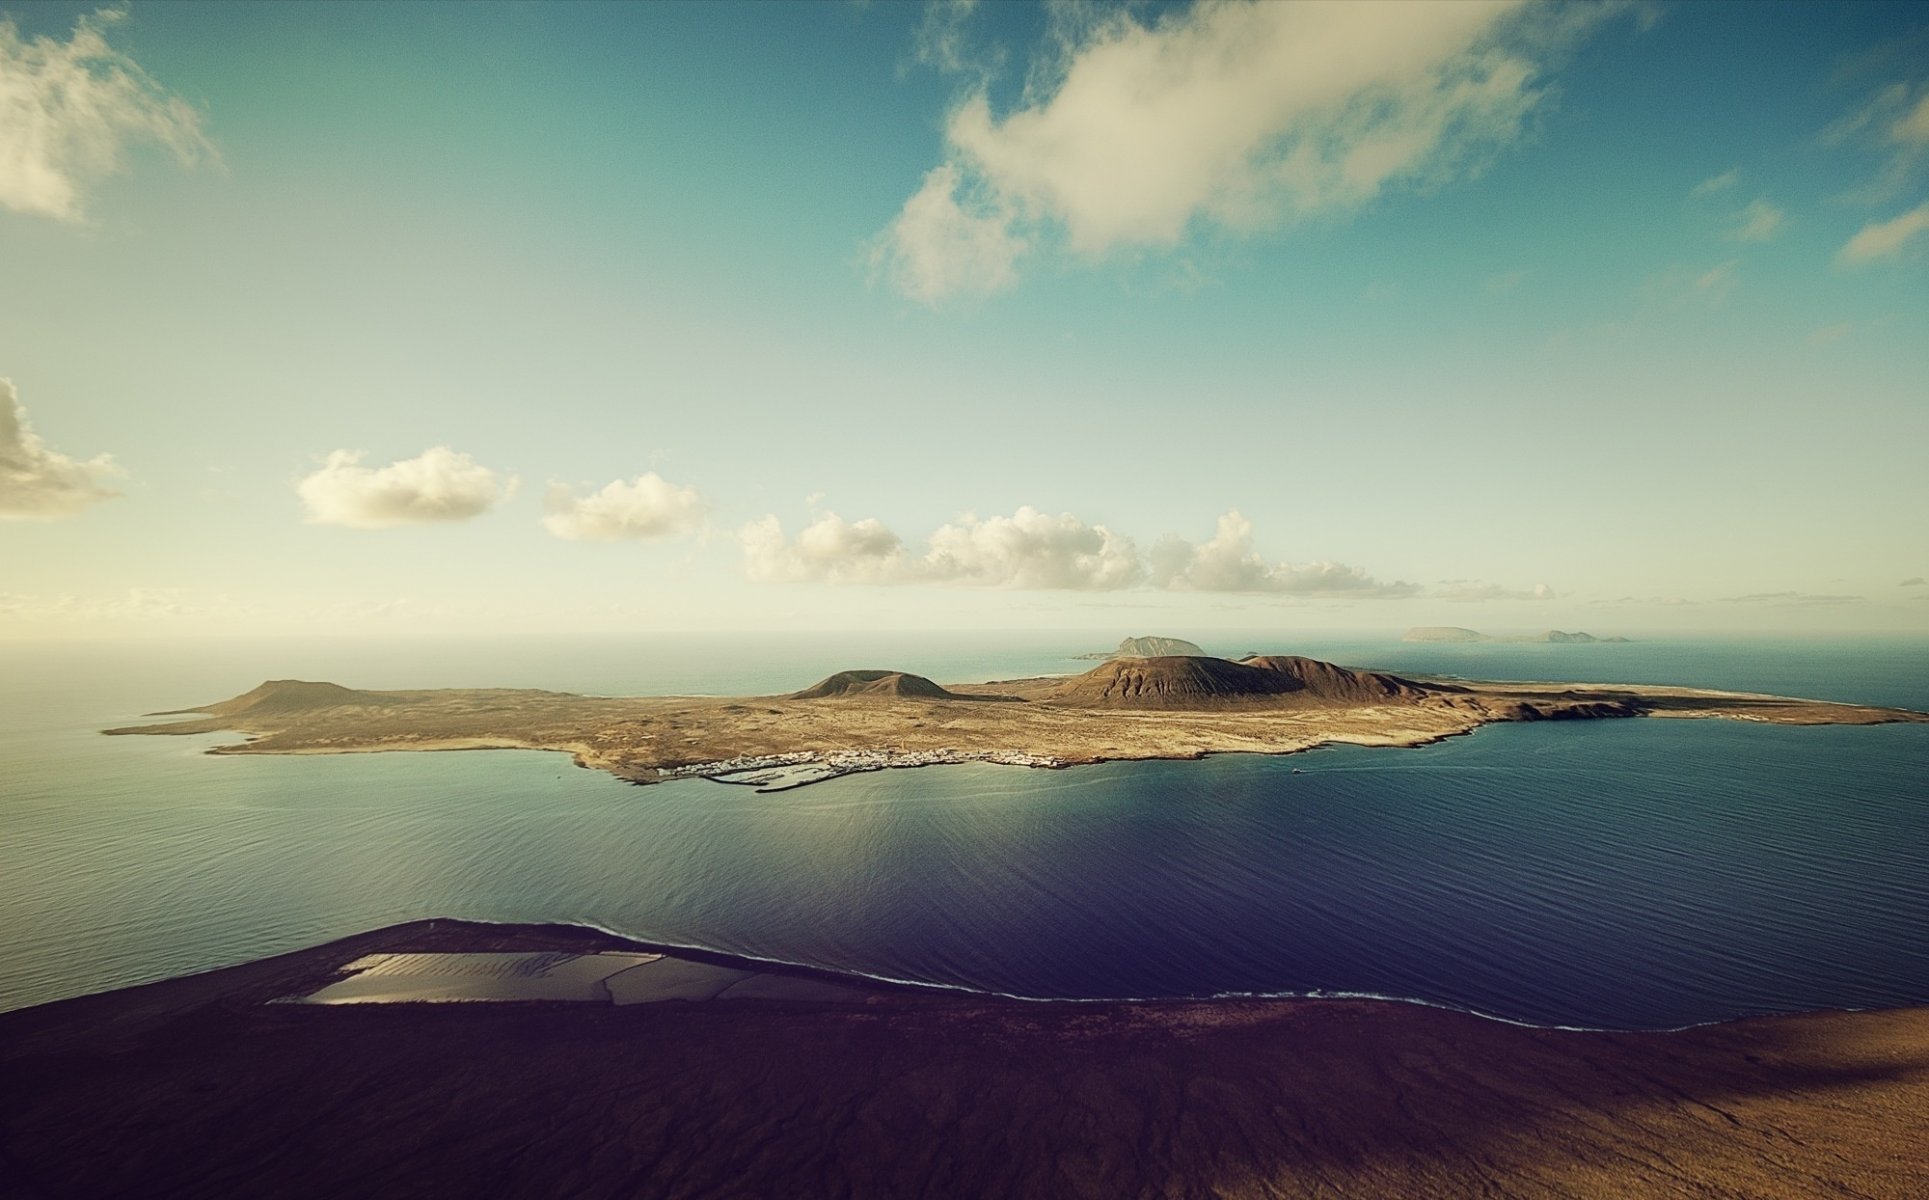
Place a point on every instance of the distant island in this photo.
(1152, 647)
(1164, 707)
(1454, 633)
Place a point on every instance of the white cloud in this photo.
(829, 550)
(1717, 183)
(37, 482)
(1228, 563)
(1230, 113)
(1760, 221)
(437, 485)
(1027, 550)
(648, 506)
(936, 249)
(1031, 549)
(1885, 239)
(70, 110)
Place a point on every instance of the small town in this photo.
(781, 772)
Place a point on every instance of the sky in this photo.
(412, 319)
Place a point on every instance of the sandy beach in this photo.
(202, 1086)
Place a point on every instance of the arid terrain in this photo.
(1125, 708)
(202, 1087)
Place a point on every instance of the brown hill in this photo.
(1150, 647)
(1333, 683)
(1157, 647)
(874, 683)
(290, 696)
(1184, 682)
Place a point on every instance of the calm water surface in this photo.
(1624, 874)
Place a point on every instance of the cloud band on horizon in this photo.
(1032, 550)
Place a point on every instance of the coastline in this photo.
(895, 1090)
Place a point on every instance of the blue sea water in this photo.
(1625, 874)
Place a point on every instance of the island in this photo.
(1167, 707)
(1459, 634)
(1151, 647)
(566, 1062)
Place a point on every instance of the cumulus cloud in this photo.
(1760, 221)
(439, 484)
(1032, 550)
(1029, 550)
(1885, 239)
(938, 247)
(1227, 562)
(69, 112)
(37, 482)
(1230, 113)
(828, 550)
(648, 506)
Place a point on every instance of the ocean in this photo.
(1613, 874)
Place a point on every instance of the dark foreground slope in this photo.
(198, 1088)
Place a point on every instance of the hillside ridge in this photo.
(1181, 682)
(874, 683)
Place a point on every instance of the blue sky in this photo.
(408, 318)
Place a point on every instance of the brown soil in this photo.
(197, 1087)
